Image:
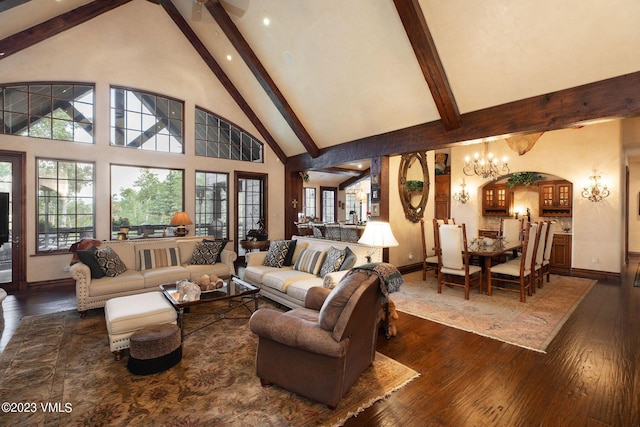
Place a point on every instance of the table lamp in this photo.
(377, 234)
(180, 219)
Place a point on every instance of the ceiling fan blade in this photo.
(235, 7)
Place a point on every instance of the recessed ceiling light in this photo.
(266, 21)
(229, 57)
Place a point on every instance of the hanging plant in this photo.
(305, 176)
(524, 178)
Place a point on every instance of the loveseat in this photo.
(142, 265)
(288, 284)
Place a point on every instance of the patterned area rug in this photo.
(63, 362)
(502, 316)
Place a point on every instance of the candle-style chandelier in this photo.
(486, 166)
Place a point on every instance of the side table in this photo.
(255, 245)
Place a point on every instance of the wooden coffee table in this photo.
(236, 291)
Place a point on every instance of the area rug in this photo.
(62, 365)
(502, 316)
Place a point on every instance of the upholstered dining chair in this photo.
(431, 262)
(511, 230)
(333, 231)
(546, 261)
(518, 271)
(453, 259)
(539, 257)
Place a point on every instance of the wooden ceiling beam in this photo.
(213, 65)
(426, 53)
(614, 98)
(31, 36)
(244, 50)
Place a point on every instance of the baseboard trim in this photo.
(410, 268)
(47, 285)
(596, 275)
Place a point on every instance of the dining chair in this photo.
(518, 271)
(333, 231)
(543, 240)
(431, 262)
(511, 230)
(453, 259)
(546, 261)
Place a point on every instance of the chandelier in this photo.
(595, 191)
(486, 166)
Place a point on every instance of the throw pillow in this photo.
(154, 258)
(222, 244)
(277, 253)
(289, 258)
(206, 252)
(88, 257)
(332, 261)
(110, 262)
(81, 245)
(310, 261)
(349, 260)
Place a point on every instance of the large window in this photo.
(215, 137)
(329, 197)
(144, 199)
(146, 121)
(62, 111)
(65, 203)
(212, 204)
(251, 205)
(309, 202)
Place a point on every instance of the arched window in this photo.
(61, 111)
(216, 137)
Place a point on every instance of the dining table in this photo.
(487, 249)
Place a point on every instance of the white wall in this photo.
(114, 49)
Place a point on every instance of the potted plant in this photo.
(415, 186)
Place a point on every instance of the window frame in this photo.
(69, 236)
(148, 131)
(310, 202)
(199, 199)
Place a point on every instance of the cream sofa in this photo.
(288, 286)
(93, 293)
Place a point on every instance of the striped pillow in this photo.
(154, 258)
(310, 261)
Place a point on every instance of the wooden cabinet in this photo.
(560, 261)
(497, 200)
(555, 198)
(442, 196)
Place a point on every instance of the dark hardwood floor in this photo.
(590, 375)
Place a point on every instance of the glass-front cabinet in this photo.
(556, 198)
(496, 200)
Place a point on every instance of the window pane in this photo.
(146, 116)
(212, 205)
(65, 203)
(144, 198)
(230, 141)
(67, 104)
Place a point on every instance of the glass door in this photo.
(250, 206)
(12, 268)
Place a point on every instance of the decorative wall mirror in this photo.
(413, 183)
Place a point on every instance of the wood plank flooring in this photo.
(590, 375)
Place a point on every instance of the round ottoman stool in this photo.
(154, 349)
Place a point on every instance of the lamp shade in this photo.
(378, 234)
(180, 218)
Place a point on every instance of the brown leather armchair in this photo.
(321, 350)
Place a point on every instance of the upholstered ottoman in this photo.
(128, 314)
(154, 349)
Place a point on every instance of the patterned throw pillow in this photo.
(277, 253)
(333, 261)
(154, 258)
(206, 252)
(88, 257)
(349, 259)
(221, 243)
(310, 261)
(110, 262)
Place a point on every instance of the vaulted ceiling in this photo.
(330, 81)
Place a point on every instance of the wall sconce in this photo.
(595, 191)
(461, 196)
